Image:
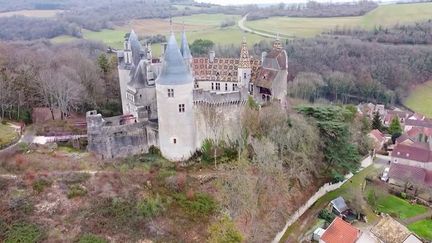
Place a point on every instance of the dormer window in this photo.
(171, 93)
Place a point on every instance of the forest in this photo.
(68, 77)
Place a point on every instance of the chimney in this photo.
(212, 56)
(263, 56)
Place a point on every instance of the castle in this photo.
(177, 101)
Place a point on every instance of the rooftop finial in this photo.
(171, 25)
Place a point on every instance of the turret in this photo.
(127, 52)
(174, 93)
(184, 49)
(244, 67)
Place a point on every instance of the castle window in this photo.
(181, 108)
(244, 75)
(196, 85)
(234, 87)
(226, 87)
(170, 92)
(212, 86)
(217, 86)
(174, 140)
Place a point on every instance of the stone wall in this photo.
(117, 141)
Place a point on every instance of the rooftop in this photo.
(340, 231)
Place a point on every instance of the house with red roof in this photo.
(340, 231)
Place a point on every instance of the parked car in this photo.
(385, 174)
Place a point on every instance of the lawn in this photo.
(113, 38)
(32, 13)
(422, 228)
(7, 135)
(399, 207)
(420, 99)
(386, 15)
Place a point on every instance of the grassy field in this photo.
(206, 19)
(420, 99)
(201, 26)
(398, 206)
(7, 135)
(32, 13)
(422, 228)
(386, 15)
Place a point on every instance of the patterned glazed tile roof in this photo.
(221, 69)
(340, 231)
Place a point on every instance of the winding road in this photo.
(242, 26)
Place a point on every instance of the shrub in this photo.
(74, 178)
(150, 207)
(21, 205)
(40, 184)
(23, 232)
(76, 191)
(326, 215)
(3, 122)
(154, 150)
(91, 238)
(23, 147)
(224, 230)
(201, 205)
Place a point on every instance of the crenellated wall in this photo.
(116, 138)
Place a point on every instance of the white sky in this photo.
(237, 2)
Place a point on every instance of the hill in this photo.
(385, 15)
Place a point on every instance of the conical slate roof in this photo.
(185, 47)
(136, 48)
(174, 69)
(139, 76)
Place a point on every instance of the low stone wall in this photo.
(321, 192)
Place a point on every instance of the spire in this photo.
(174, 69)
(135, 47)
(184, 49)
(244, 55)
(277, 44)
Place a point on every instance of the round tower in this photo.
(174, 95)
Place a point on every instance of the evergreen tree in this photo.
(103, 63)
(376, 121)
(395, 127)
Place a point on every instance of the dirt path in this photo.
(411, 220)
(242, 26)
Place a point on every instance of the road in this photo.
(244, 28)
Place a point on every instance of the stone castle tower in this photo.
(174, 92)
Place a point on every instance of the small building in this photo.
(340, 231)
(388, 230)
(339, 207)
(378, 139)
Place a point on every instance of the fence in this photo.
(326, 188)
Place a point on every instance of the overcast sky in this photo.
(231, 2)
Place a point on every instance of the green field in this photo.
(386, 15)
(400, 207)
(207, 26)
(206, 19)
(420, 99)
(7, 135)
(422, 228)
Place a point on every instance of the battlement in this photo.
(212, 98)
(119, 136)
